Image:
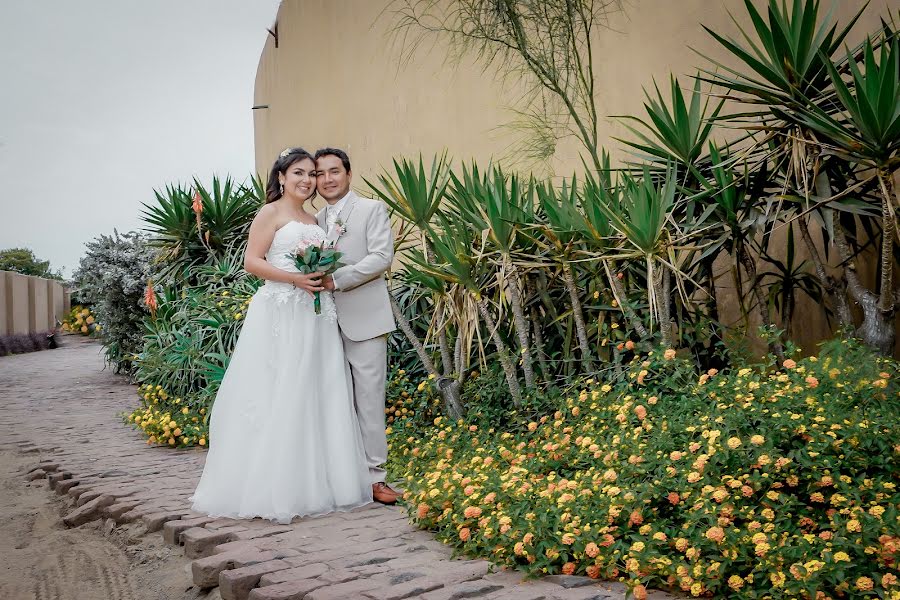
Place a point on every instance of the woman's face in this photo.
(299, 180)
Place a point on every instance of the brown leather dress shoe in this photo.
(382, 493)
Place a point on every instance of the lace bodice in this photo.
(286, 240)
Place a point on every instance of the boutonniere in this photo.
(335, 233)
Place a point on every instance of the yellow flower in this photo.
(854, 525)
(841, 557)
(757, 440)
(735, 582)
(734, 442)
(202, 441)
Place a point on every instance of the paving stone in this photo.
(63, 487)
(294, 574)
(155, 521)
(35, 475)
(469, 589)
(297, 589)
(172, 529)
(415, 581)
(236, 584)
(55, 478)
(569, 581)
(199, 541)
(87, 511)
(343, 591)
(205, 571)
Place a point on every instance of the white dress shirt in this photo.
(332, 211)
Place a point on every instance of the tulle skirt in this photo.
(284, 437)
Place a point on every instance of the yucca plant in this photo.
(563, 229)
(676, 133)
(602, 238)
(867, 131)
(415, 196)
(496, 204)
(638, 210)
(191, 226)
(461, 265)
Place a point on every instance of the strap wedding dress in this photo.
(284, 437)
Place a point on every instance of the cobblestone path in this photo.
(63, 408)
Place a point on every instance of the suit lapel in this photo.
(348, 208)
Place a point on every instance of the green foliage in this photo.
(196, 225)
(111, 277)
(187, 344)
(23, 260)
(738, 484)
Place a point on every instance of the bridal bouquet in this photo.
(312, 257)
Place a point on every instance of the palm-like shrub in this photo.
(196, 225)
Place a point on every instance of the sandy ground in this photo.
(42, 559)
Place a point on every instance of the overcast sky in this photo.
(104, 100)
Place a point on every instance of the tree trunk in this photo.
(521, 326)
(875, 331)
(538, 335)
(619, 294)
(750, 268)
(836, 293)
(444, 345)
(502, 352)
(453, 405)
(578, 313)
(664, 300)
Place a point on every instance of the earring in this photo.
(281, 189)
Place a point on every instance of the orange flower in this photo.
(674, 498)
(629, 345)
(150, 298)
(472, 512)
(422, 510)
(593, 572)
(812, 381)
(528, 538)
(197, 204)
(592, 550)
(465, 534)
(639, 592)
(789, 364)
(715, 534)
(641, 412)
(635, 518)
(669, 354)
(568, 568)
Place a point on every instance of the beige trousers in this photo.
(368, 370)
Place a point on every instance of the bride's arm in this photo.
(262, 231)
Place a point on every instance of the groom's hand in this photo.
(328, 282)
(311, 283)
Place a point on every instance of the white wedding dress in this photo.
(284, 437)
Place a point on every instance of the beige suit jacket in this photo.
(367, 247)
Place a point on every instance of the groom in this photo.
(361, 298)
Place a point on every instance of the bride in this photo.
(284, 437)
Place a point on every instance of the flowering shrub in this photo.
(754, 483)
(169, 421)
(81, 320)
(111, 276)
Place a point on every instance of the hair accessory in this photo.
(285, 152)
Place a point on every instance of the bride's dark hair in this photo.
(282, 164)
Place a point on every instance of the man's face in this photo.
(332, 179)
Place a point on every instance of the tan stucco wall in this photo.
(335, 79)
(30, 304)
